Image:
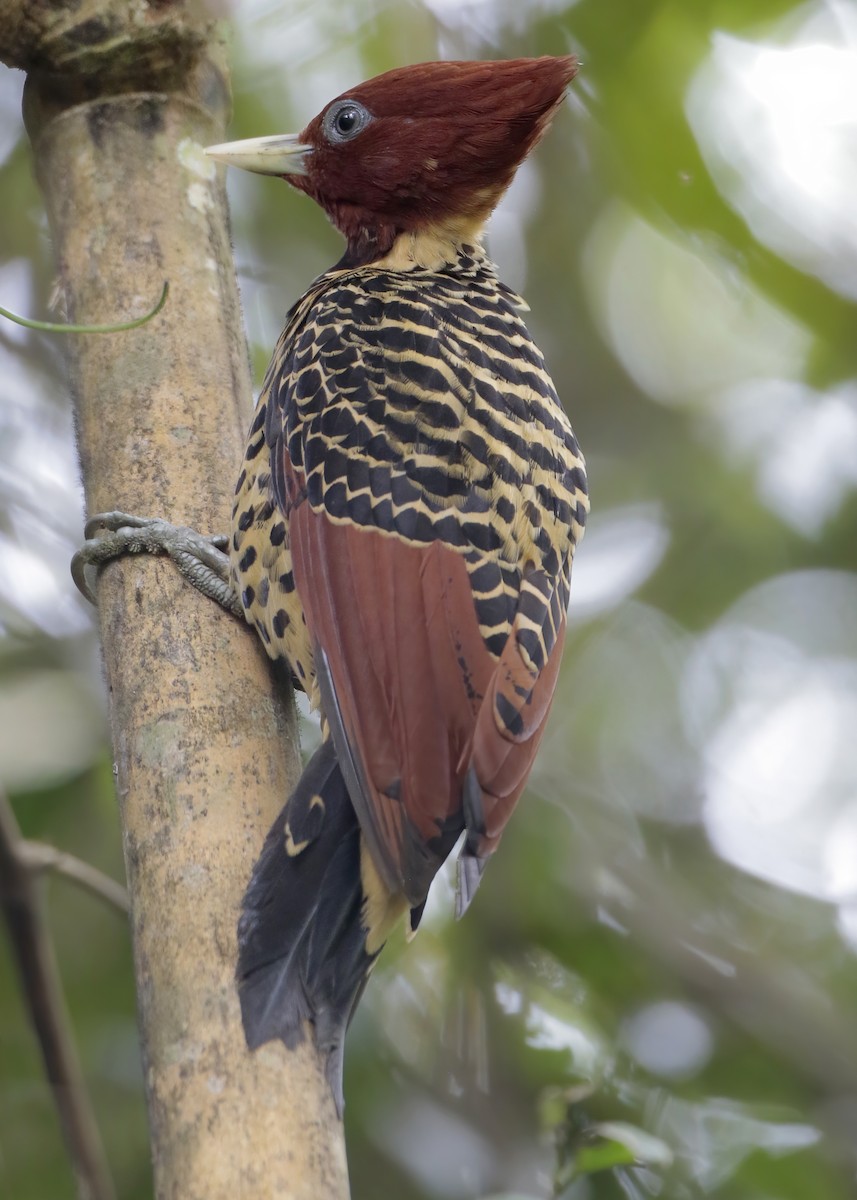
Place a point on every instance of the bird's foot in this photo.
(202, 560)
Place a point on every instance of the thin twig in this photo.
(40, 857)
(33, 951)
(120, 327)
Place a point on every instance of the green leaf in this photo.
(601, 1157)
(644, 1147)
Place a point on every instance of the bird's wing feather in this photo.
(396, 630)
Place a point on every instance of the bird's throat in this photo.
(431, 247)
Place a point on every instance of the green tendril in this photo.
(51, 327)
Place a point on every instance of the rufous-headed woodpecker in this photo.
(403, 530)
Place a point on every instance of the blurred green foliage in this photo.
(653, 994)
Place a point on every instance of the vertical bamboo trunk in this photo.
(119, 101)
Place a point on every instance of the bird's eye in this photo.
(344, 120)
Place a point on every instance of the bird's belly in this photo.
(261, 560)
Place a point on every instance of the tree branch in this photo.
(36, 856)
(119, 101)
(34, 955)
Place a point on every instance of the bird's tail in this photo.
(301, 940)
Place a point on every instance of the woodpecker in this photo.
(403, 529)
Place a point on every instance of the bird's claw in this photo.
(114, 521)
(200, 559)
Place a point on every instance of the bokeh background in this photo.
(655, 992)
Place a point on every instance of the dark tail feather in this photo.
(301, 942)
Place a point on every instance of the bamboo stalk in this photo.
(119, 101)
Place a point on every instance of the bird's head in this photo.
(417, 150)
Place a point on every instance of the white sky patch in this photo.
(840, 855)
(683, 322)
(623, 547)
(305, 52)
(50, 728)
(506, 232)
(41, 491)
(26, 581)
(554, 1012)
(547, 1031)
(509, 998)
(35, 586)
(802, 443)
(445, 1152)
(16, 294)
(777, 774)
(11, 122)
(491, 19)
(777, 127)
(669, 1039)
(770, 695)
(440, 904)
(846, 923)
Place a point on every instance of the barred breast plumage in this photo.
(429, 416)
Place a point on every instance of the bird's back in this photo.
(414, 403)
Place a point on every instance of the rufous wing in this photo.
(418, 707)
